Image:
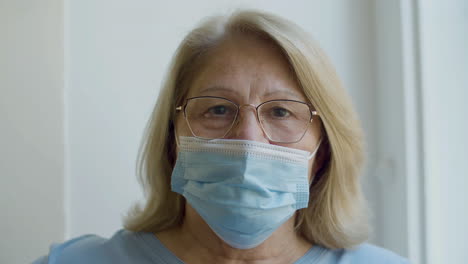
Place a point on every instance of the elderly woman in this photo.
(252, 155)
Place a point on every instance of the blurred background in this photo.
(79, 78)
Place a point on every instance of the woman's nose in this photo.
(247, 126)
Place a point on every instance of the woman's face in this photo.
(248, 70)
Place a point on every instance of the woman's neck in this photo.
(194, 242)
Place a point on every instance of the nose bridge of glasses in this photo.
(242, 123)
(248, 106)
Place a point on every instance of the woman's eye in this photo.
(280, 112)
(218, 110)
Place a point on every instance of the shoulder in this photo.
(367, 253)
(92, 249)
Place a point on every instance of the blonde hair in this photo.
(337, 213)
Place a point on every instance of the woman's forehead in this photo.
(243, 66)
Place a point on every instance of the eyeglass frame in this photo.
(184, 106)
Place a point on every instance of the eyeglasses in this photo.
(282, 121)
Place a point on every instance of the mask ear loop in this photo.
(316, 149)
(176, 137)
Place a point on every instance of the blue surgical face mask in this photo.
(244, 190)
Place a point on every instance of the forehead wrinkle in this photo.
(218, 88)
(284, 91)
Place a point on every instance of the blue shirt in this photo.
(145, 248)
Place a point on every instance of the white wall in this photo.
(444, 63)
(31, 128)
(119, 51)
